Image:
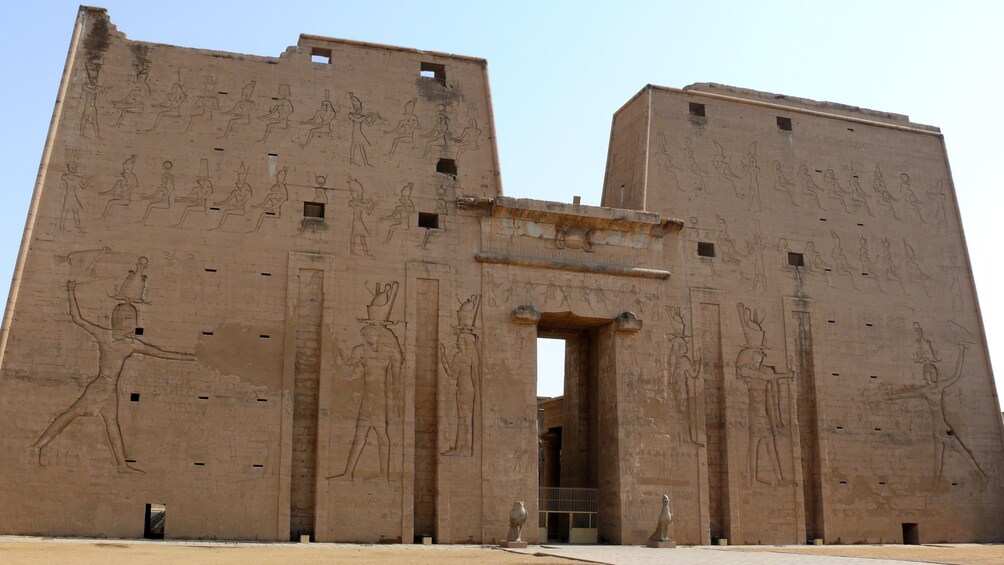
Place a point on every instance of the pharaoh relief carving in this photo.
(683, 377)
(765, 413)
(116, 344)
(90, 90)
(944, 437)
(938, 198)
(463, 371)
(73, 185)
(810, 189)
(377, 363)
(360, 118)
(910, 197)
(840, 260)
(360, 204)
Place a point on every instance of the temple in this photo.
(262, 298)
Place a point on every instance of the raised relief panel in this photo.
(463, 371)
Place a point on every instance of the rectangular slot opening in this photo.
(199, 464)
(203, 398)
(210, 270)
(831, 321)
(257, 465)
(134, 397)
(835, 374)
(783, 124)
(873, 376)
(320, 56)
(266, 274)
(262, 400)
(697, 110)
(861, 225)
(264, 336)
(881, 482)
(138, 331)
(705, 249)
(843, 482)
(434, 71)
(154, 520)
(447, 167)
(428, 220)
(214, 208)
(207, 333)
(217, 149)
(313, 210)
(869, 324)
(822, 219)
(796, 259)
(840, 427)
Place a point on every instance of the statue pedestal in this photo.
(513, 544)
(661, 544)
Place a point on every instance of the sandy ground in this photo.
(38, 551)
(954, 554)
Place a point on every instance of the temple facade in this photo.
(259, 298)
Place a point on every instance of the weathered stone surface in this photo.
(284, 297)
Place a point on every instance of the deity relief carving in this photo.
(402, 214)
(573, 237)
(765, 421)
(170, 106)
(121, 191)
(463, 370)
(235, 204)
(279, 113)
(198, 198)
(115, 346)
(320, 122)
(134, 102)
(377, 363)
(943, 435)
(242, 110)
(271, 205)
(683, 373)
(404, 132)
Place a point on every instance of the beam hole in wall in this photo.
(217, 149)
(822, 219)
(861, 225)
(138, 331)
(828, 271)
(134, 397)
(850, 129)
(796, 259)
(835, 374)
(257, 465)
(878, 429)
(873, 376)
(434, 71)
(313, 210)
(881, 482)
(447, 167)
(869, 324)
(266, 274)
(154, 521)
(843, 482)
(831, 321)
(207, 333)
(819, 171)
(428, 220)
(214, 208)
(262, 400)
(203, 398)
(210, 270)
(264, 336)
(840, 427)
(199, 464)
(783, 123)
(320, 55)
(130, 460)
(705, 249)
(697, 110)
(864, 274)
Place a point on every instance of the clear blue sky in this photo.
(560, 69)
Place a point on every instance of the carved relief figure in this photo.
(360, 205)
(933, 390)
(401, 216)
(765, 421)
(684, 376)
(869, 266)
(134, 102)
(913, 270)
(939, 198)
(668, 165)
(359, 140)
(236, 202)
(133, 287)
(843, 264)
(464, 372)
(320, 122)
(271, 205)
(204, 105)
(278, 115)
(955, 285)
(752, 172)
(242, 110)
(404, 132)
(834, 189)
(858, 194)
(728, 246)
(378, 362)
(160, 199)
(90, 91)
(721, 165)
(781, 183)
(693, 168)
(468, 138)
(814, 262)
(910, 197)
(809, 186)
(885, 198)
(73, 185)
(755, 249)
(198, 199)
(101, 396)
(439, 135)
(170, 106)
(890, 267)
(121, 191)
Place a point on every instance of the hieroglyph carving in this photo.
(763, 383)
(115, 345)
(464, 373)
(933, 390)
(378, 362)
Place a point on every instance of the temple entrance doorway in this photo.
(569, 425)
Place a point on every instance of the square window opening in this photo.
(138, 331)
(433, 71)
(447, 167)
(796, 259)
(705, 249)
(320, 56)
(134, 397)
(313, 210)
(428, 220)
(783, 124)
(697, 110)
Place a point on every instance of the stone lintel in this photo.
(574, 215)
(542, 263)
